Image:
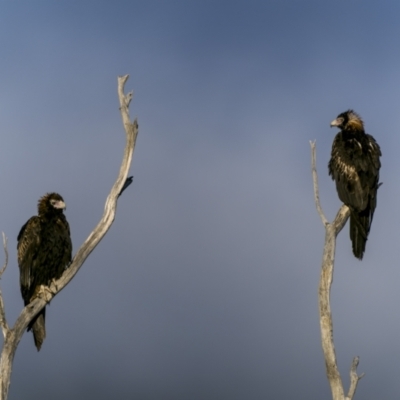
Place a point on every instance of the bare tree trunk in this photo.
(326, 279)
(12, 336)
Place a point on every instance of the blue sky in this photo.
(206, 285)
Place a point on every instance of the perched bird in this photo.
(354, 166)
(44, 252)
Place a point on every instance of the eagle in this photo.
(44, 252)
(354, 166)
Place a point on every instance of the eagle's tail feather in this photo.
(359, 229)
(38, 328)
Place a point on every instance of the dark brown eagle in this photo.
(44, 251)
(354, 165)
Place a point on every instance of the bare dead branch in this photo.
(5, 253)
(127, 183)
(3, 321)
(354, 378)
(128, 98)
(29, 312)
(315, 181)
(326, 279)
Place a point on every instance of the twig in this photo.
(6, 254)
(127, 183)
(3, 322)
(354, 378)
(315, 181)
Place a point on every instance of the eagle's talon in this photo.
(45, 293)
(53, 282)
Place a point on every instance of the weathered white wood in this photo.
(326, 279)
(3, 322)
(14, 335)
(315, 182)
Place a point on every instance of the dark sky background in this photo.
(206, 285)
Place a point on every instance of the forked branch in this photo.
(14, 335)
(328, 262)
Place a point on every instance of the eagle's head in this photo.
(51, 203)
(348, 120)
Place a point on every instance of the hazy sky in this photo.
(206, 285)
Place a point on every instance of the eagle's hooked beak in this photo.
(337, 122)
(60, 204)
